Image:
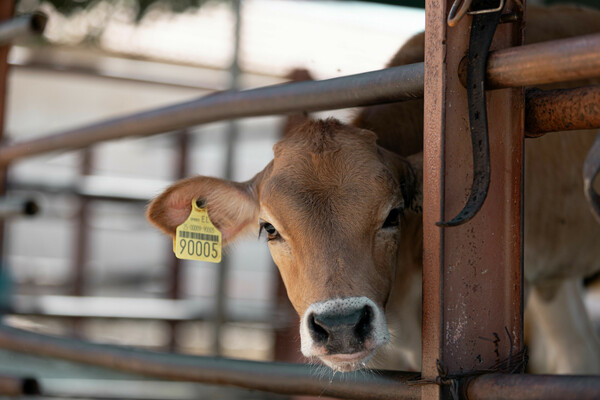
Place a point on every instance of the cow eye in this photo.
(393, 218)
(270, 229)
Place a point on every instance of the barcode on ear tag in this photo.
(197, 238)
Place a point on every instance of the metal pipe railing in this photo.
(518, 66)
(281, 378)
(242, 310)
(24, 25)
(393, 84)
(533, 387)
(12, 386)
(561, 110)
(288, 378)
(12, 207)
(556, 61)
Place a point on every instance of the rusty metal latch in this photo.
(456, 13)
(591, 169)
(483, 28)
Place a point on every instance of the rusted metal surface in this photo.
(558, 61)
(393, 84)
(534, 387)
(562, 110)
(549, 62)
(433, 183)
(563, 60)
(273, 377)
(472, 313)
(23, 25)
(16, 387)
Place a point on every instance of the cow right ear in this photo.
(232, 207)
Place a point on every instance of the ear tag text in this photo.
(197, 238)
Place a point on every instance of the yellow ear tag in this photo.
(197, 238)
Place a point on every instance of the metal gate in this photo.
(445, 356)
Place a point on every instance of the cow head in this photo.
(331, 205)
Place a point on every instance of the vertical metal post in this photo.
(231, 138)
(6, 12)
(80, 241)
(472, 292)
(174, 290)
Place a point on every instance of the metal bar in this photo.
(231, 138)
(99, 73)
(433, 151)
(242, 310)
(534, 387)
(80, 241)
(471, 272)
(562, 110)
(23, 25)
(174, 291)
(81, 237)
(11, 207)
(561, 60)
(272, 377)
(519, 66)
(135, 389)
(393, 84)
(109, 188)
(16, 387)
(6, 11)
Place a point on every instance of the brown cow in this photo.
(341, 209)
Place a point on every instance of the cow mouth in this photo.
(347, 362)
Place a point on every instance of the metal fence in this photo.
(509, 68)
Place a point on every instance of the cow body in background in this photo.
(340, 206)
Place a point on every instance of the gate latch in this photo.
(486, 16)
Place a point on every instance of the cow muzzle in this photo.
(343, 333)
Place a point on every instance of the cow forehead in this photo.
(332, 192)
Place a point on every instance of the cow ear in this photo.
(232, 207)
(409, 173)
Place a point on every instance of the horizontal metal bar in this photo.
(562, 110)
(16, 386)
(12, 207)
(23, 25)
(281, 378)
(138, 308)
(534, 387)
(112, 188)
(97, 72)
(393, 84)
(561, 60)
(121, 389)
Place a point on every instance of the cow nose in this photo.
(341, 331)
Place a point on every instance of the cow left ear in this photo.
(409, 173)
(232, 206)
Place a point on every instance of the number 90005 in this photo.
(198, 248)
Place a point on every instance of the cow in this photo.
(340, 206)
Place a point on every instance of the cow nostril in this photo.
(363, 327)
(318, 332)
